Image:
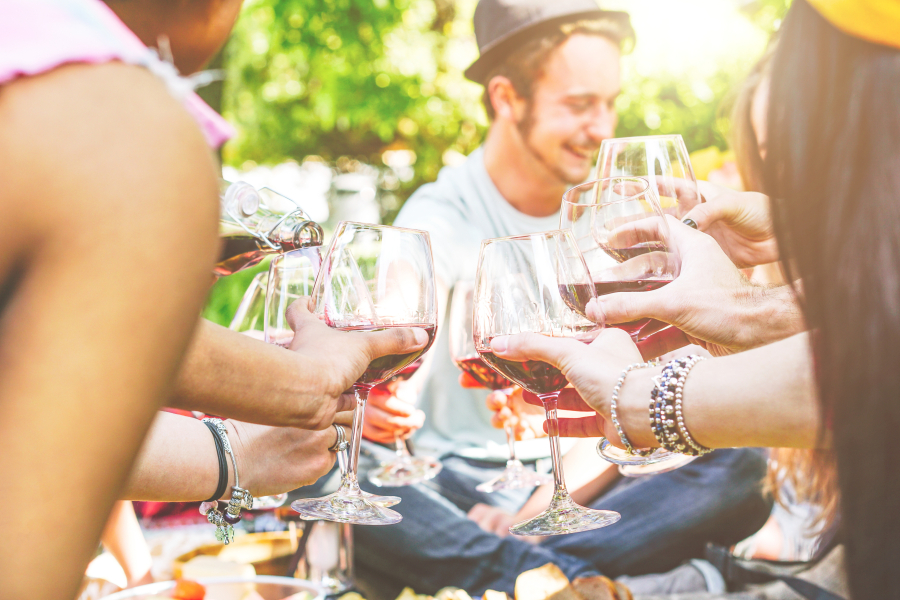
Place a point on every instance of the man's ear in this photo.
(504, 98)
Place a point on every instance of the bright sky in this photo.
(689, 37)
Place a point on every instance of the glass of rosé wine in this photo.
(462, 351)
(373, 278)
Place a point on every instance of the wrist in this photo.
(633, 405)
(773, 315)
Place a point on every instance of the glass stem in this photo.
(559, 480)
(510, 436)
(402, 451)
(350, 482)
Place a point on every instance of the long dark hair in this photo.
(833, 172)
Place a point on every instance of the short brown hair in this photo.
(525, 65)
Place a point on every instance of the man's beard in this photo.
(525, 127)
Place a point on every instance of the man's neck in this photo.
(522, 179)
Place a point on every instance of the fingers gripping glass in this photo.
(373, 278)
(620, 230)
(520, 287)
(462, 351)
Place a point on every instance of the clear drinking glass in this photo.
(620, 230)
(462, 351)
(291, 277)
(249, 319)
(662, 160)
(405, 468)
(521, 286)
(374, 277)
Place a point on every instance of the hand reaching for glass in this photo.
(741, 222)
(526, 421)
(710, 303)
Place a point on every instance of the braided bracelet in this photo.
(614, 398)
(666, 408)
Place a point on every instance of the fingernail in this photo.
(690, 222)
(421, 336)
(499, 344)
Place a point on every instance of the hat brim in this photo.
(497, 51)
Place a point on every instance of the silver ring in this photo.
(341, 443)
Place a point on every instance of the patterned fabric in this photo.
(37, 36)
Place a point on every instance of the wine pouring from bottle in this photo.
(250, 229)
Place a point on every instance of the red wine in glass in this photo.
(478, 370)
(382, 368)
(534, 375)
(576, 296)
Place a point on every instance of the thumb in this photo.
(706, 214)
(534, 346)
(394, 340)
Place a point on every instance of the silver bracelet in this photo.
(679, 415)
(240, 498)
(614, 398)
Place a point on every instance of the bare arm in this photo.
(109, 207)
(764, 397)
(178, 461)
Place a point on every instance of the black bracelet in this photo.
(223, 464)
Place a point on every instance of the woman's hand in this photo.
(391, 412)
(741, 222)
(591, 369)
(710, 303)
(274, 460)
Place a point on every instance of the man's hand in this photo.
(741, 222)
(339, 357)
(492, 519)
(391, 412)
(710, 303)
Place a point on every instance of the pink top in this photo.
(37, 36)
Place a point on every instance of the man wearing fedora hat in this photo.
(550, 71)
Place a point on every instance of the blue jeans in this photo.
(666, 519)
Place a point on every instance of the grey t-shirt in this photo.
(459, 210)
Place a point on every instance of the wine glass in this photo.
(291, 277)
(620, 230)
(405, 469)
(520, 287)
(462, 351)
(374, 277)
(661, 159)
(249, 319)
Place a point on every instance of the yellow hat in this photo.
(876, 21)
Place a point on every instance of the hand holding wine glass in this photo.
(520, 287)
(374, 279)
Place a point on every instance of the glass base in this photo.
(405, 471)
(269, 502)
(564, 516)
(514, 477)
(664, 466)
(618, 456)
(341, 507)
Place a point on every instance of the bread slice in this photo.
(495, 595)
(545, 583)
(623, 592)
(595, 588)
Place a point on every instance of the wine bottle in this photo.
(250, 230)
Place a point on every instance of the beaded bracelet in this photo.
(240, 498)
(666, 408)
(613, 400)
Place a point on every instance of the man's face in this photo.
(572, 108)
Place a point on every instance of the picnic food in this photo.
(186, 589)
(550, 583)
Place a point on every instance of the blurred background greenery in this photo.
(350, 81)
